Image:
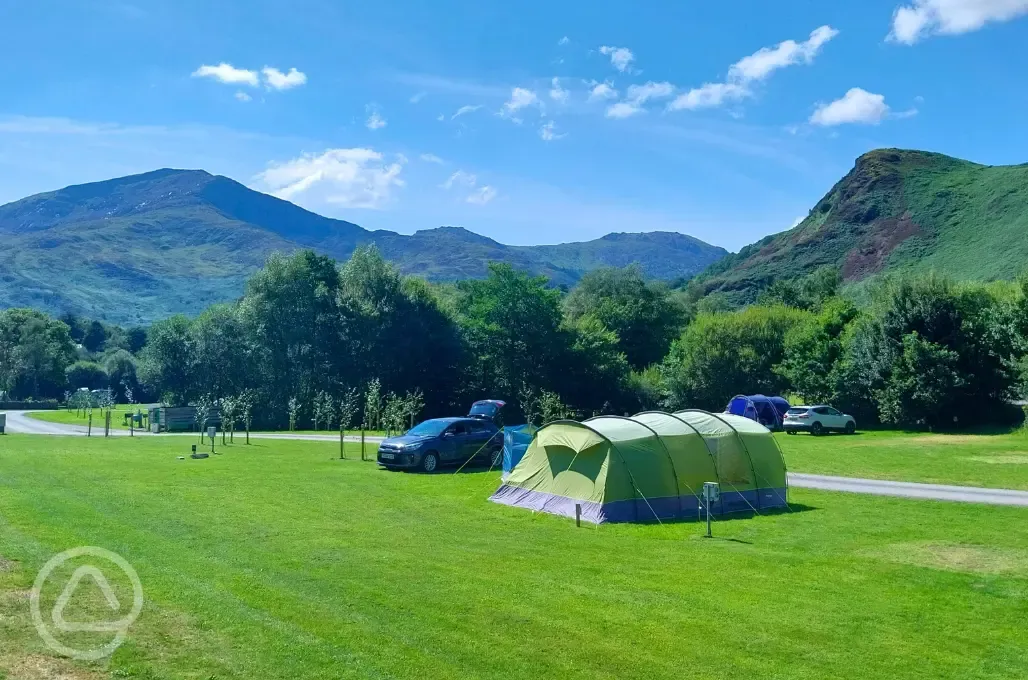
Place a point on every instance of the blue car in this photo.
(443, 441)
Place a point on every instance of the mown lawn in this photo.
(74, 417)
(349, 433)
(989, 460)
(276, 560)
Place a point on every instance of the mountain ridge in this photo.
(895, 211)
(137, 248)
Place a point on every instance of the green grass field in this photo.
(997, 460)
(276, 560)
(349, 433)
(73, 417)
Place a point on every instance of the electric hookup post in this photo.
(711, 494)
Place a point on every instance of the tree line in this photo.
(312, 340)
(44, 358)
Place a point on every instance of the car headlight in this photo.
(410, 448)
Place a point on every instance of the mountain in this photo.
(896, 211)
(139, 248)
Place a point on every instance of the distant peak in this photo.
(650, 236)
(889, 156)
(162, 172)
(445, 230)
(456, 232)
(163, 176)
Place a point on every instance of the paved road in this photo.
(20, 423)
(938, 492)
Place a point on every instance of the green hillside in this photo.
(139, 248)
(895, 211)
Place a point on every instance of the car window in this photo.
(478, 428)
(832, 412)
(429, 428)
(458, 428)
(484, 409)
(797, 411)
(821, 410)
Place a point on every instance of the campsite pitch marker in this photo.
(711, 493)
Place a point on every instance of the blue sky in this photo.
(725, 120)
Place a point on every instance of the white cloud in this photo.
(640, 94)
(418, 96)
(242, 96)
(440, 118)
(352, 178)
(623, 110)
(857, 106)
(460, 179)
(602, 91)
(754, 68)
(482, 195)
(558, 93)
(431, 158)
(548, 132)
(564, 41)
(227, 73)
(276, 80)
(465, 110)
(520, 98)
(767, 60)
(375, 121)
(620, 57)
(636, 98)
(923, 18)
(710, 95)
(467, 180)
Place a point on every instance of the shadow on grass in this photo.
(823, 435)
(792, 509)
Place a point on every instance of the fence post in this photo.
(89, 430)
(342, 439)
(578, 514)
(362, 443)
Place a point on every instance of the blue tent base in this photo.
(687, 507)
(768, 411)
(516, 440)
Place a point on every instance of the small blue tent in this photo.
(515, 442)
(768, 411)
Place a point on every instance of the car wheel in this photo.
(429, 463)
(851, 427)
(816, 429)
(496, 458)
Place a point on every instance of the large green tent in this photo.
(650, 466)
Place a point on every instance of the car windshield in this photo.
(485, 409)
(429, 428)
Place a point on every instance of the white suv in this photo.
(817, 420)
